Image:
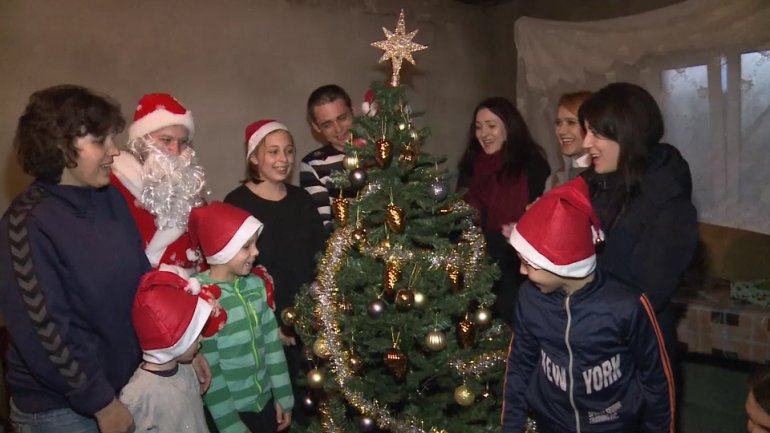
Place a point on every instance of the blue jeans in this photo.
(51, 421)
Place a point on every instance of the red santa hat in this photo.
(257, 131)
(159, 110)
(221, 230)
(559, 232)
(169, 315)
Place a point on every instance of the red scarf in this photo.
(498, 203)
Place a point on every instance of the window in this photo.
(718, 114)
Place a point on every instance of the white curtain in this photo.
(707, 62)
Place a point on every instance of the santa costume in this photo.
(164, 243)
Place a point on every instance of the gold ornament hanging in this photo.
(419, 300)
(396, 360)
(435, 340)
(321, 348)
(315, 378)
(358, 236)
(404, 300)
(385, 244)
(351, 162)
(482, 317)
(464, 396)
(408, 156)
(341, 209)
(394, 218)
(391, 274)
(455, 277)
(289, 316)
(383, 152)
(398, 47)
(466, 333)
(355, 362)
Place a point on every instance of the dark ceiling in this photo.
(484, 3)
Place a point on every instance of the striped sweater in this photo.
(248, 365)
(315, 177)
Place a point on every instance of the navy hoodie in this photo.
(70, 262)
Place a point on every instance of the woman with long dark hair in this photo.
(503, 169)
(641, 189)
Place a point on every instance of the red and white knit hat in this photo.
(258, 130)
(159, 110)
(168, 315)
(221, 230)
(559, 232)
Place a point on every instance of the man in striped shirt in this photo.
(331, 116)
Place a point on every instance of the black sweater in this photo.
(292, 236)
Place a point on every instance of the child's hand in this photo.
(286, 340)
(115, 418)
(282, 418)
(202, 371)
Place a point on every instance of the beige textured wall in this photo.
(234, 61)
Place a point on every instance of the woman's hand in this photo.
(508, 229)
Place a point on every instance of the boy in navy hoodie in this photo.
(587, 354)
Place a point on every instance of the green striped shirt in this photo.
(247, 362)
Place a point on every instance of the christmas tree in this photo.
(397, 325)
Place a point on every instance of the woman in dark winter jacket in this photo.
(641, 189)
(504, 170)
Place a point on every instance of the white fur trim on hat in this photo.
(159, 119)
(261, 133)
(250, 226)
(579, 269)
(200, 317)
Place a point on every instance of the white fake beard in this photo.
(171, 185)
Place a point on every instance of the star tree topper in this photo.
(398, 46)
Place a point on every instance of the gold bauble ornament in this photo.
(396, 360)
(289, 316)
(385, 244)
(394, 218)
(351, 162)
(419, 299)
(404, 300)
(341, 210)
(355, 362)
(455, 277)
(383, 152)
(435, 340)
(315, 378)
(466, 333)
(482, 317)
(464, 396)
(391, 274)
(358, 237)
(321, 348)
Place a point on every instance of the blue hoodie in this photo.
(70, 262)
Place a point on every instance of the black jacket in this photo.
(587, 362)
(652, 242)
